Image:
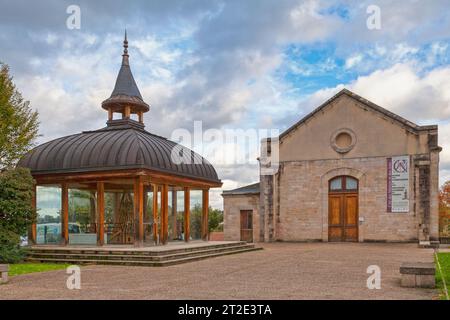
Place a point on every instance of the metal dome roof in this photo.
(123, 144)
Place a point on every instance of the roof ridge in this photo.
(413, 126)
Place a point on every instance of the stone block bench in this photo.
(4, 268)
(418, 275)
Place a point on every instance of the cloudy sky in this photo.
(231, 64)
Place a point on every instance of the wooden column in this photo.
(174, 215)
(155, 213)
(187, 214)
(139, 212)
(100, 213)
(64, 214)
(164, 214)
(205, 211)
(32, 232)
(110, 114)
(127, 112)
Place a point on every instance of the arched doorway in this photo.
(343, 209)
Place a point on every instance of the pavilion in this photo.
(120, 184)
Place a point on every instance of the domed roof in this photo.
(121, 145)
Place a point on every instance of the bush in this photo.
(10, 250)
(16, 211)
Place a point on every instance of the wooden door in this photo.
(247, 225)
(343, 210)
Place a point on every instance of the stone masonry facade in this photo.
(301, 213)
(292, 203)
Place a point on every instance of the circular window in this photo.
(343, 140)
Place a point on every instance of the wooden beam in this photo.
(155, 213)
(101, 213)
(32, 232)
(139, 212)
(64, 214)
(149, 175)
(205, 212)
(187, 214)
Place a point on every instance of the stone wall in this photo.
(303, 201)
(233, 204)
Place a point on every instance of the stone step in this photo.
(129, 251)
(143, 263)
(106, 256)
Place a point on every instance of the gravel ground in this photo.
(280, 271)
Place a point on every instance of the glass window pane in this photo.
(82, 217)
(119, 212)
(196, 215)
(48, 226)
(336, 184)
(176, 214)
(351, 183)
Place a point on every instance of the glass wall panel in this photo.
(48, 224)
(119, 212)
(176, 214)
(148, 215)
(82, 216)
(196, 215)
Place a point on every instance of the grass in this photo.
(23, 268)
(444, 261)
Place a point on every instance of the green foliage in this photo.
(24, 268)
(444, 261)
(196, 222)
(16, 211)
(215, 220)
(18, 125)
(10, 251)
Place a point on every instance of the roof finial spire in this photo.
(125, 50)
(125, 44)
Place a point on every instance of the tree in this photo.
(16, 211)
(18, 131)
(18, 123)
(444, 210)
(215, 219)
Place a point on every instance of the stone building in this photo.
(348, 171)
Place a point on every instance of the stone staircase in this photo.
(135, 257)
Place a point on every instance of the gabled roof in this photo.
(250, 189)
(408, 125)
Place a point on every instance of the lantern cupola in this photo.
(126, 98)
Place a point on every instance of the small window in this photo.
(336, 184)
(351, 183)
(343, 184)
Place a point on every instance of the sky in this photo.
(233, 65)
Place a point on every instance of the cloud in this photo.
(402, 89)
(227, 63)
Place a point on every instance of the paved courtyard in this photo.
(280, 271)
